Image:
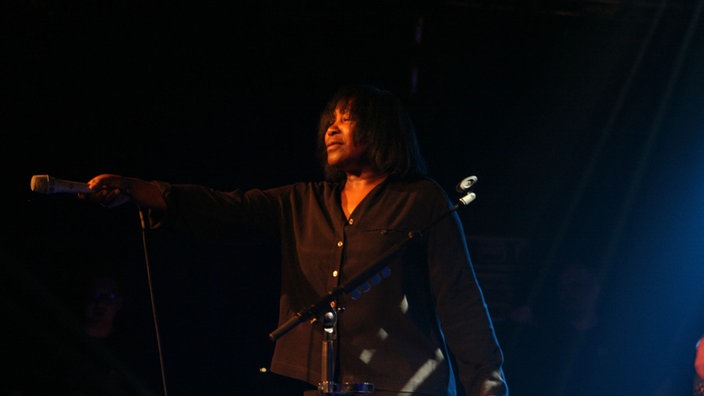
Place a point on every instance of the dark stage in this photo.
(583, 121)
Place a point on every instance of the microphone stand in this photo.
(325, 311)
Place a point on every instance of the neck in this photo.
(585, 321)
(363, 179)
(357, 186)
(100, 331)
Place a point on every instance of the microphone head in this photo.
(46, 184)
(41, 183)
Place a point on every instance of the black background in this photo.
(582, 120)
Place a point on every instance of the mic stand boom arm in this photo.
(323, 305)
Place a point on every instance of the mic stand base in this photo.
(331, 388)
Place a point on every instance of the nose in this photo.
(332, 130)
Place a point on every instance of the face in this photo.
(579, 288)
(342, 151)
(104, 301)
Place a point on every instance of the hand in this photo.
(108, 190)
(113, 190)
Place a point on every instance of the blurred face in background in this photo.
(103, 303)
(579, 290)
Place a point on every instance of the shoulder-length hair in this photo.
(383, 123)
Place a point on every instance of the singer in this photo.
(422, 330)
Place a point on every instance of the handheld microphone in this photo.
(46, 184)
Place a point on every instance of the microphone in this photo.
(46, 184)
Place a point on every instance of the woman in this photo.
(424, 330)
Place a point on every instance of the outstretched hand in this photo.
(111, 191)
